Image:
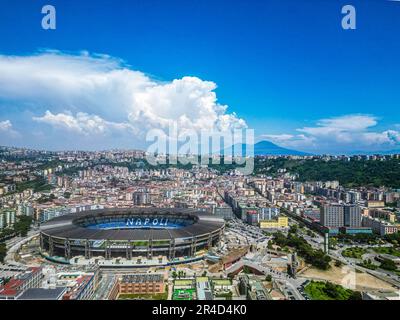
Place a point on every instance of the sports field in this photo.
(183, 294)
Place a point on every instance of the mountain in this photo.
(268, 148)
(263, 148)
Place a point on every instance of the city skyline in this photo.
(208, 156)
(102, 91)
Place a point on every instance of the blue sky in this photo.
(283, 67)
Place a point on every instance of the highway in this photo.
(318, 243)
(391, 278)
(14, 244)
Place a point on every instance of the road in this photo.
(14, 244)
(387, 277)
(105, 286)
(252, 234)
(318, 243)
(287, 283)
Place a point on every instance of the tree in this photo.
(355, 295)
(388, 264)
(338, 263)
(3, 251)
(246, 269)
(332, 290)
(268, 278)
(23, 225)
(393, 238)
(293, 229)
(349, 173)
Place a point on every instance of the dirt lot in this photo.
(348, 278)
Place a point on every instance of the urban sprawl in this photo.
(283, 236)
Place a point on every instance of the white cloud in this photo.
(346, 133)
(347, 123)
(5, 125)
(7, 130)
(82, 123)
(291, 141)
(100, 94)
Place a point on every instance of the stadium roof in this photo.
(66, 226)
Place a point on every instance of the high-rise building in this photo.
(268, 213)
(352, 216)
(141, 198)
(332, 215)
(7, 218)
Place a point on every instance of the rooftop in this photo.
(140, 278)
(43, 294)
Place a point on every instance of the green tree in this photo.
(23, 225)
(3, 251)
(338, 263)
(388, 264)
(293, 229)
(246, 269)
(355, 295)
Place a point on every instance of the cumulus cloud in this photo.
(290, 140)
(346, 133)
(82, 123)
(5, 125)
(92, 94)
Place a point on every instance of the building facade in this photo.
(141, 284)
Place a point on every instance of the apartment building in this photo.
(141, 284)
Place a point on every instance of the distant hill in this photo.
(264, 148)
(370, 153)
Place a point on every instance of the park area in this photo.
(388, 250)
(318, 290)
(354, 252)
(358, 252)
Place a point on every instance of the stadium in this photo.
(134, 232)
